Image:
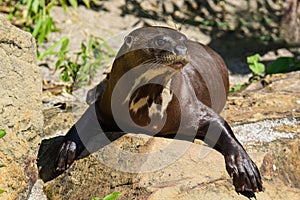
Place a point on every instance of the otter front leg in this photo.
(246, 177)
(69, 150)
(87, 133)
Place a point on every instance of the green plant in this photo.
(74, 3)
(255, 66)
(284, 65)
(259, 71)
(34, 17)
(61, 54)
(92, 56)
(111, 196)
(238, 87)
(2, 133)
(79, 71)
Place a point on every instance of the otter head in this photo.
(158, 44)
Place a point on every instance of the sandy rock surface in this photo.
(279, 99)
(20, 111)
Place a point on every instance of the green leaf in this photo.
(2, 191)
(208, 23)
(64, 45)
(87, 3)
(42, 2)
(16, 8)
(96, 198)
(63, 4)
(73, 3)
(35, 6)
(48, 25)
(29, 7)
(258, 68)
(112, 196)
(222, 24)
(58, 64)
(46, 28)
(268, 20)
(265, 38)
(83, 47)
(244, 23)
(2, 133)
(254, 58)
(237, 87)
(49, 5)
(2, 165)
(283, 65)
(65, 76)
(255, 66)
(50, 50)
(38, 25)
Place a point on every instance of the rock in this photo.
(37, 191)
(20, 111)
(198, 173)
(102, 170)
(276, 100)
(168, 7)
(290, 25)
(286, 159)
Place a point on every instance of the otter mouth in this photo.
(177, 65)
(174, 61)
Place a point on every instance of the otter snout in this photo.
(180, 50)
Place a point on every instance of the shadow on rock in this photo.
(46, 158)
(48, 152)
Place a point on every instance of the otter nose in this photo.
(180, 50)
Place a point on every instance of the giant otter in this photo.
(164, 85)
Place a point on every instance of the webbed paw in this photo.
(246, 177)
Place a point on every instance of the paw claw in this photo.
(66, 155)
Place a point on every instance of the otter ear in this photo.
(128, 40)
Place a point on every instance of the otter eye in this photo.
(128, 40)
(160, 42)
